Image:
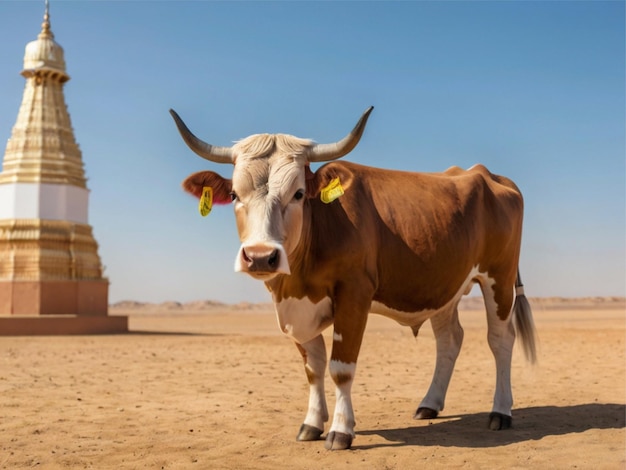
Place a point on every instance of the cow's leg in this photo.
(314, 355)
(501, 337)
(350, 320)
(449, 337)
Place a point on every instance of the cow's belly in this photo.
(416, 318)
(301, 319)
(412, 319)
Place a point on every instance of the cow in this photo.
(336, 244)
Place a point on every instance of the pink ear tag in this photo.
(206, 201)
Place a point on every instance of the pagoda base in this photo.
(18, 325)
(81, 298)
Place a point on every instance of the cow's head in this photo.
(268, 188)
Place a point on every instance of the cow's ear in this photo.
(316, 182)
(222, 187)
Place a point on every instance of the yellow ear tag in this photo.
(332, 191)
(206, 201)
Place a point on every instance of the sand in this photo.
(225, 389)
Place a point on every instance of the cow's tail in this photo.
(524, 324)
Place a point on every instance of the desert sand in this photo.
(208, 386)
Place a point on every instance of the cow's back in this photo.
(418, 235)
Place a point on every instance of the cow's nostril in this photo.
(245, 257)
(272, 261)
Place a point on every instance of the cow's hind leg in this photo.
(449, 337)
(501, 337)
(314, 355)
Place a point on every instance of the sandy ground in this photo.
(226, 390)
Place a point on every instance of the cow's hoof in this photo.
(426, 413)
(338, 441)
(499, 421)
(309, 433)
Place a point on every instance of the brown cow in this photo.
(333, 245)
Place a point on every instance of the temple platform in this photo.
(47, 325)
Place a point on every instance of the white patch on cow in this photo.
(343, 419)
(303, 320)
(337, 337)
(415, 319)
(336, 367)
(317, 413)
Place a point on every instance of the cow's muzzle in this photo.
(262, 261)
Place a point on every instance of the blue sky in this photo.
(534, 90)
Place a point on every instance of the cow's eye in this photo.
(299, 194)
(233, 196)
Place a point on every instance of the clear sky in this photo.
(534, 90)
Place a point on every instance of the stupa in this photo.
(51, 276)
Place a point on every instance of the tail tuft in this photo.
(524, 324)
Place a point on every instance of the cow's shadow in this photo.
(528, 424)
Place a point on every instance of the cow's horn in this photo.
(207, 151)
(327, 152)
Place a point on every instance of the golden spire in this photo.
(45, 55)
(45, 26)
(42, 147)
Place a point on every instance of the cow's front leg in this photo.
(350, 321)
(314, 355)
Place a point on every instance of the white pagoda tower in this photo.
(51, 278)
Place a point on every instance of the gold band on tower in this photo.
(47, 250)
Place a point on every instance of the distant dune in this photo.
(467, 303)
(196, 306)
(557, 303)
